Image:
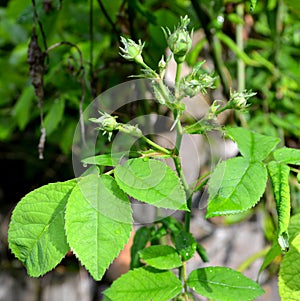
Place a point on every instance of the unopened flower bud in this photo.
(132, 51)
(179, 41)
(107, 123)
(238, 100)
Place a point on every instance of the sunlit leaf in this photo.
(151, 181)
(235, 186)
(98, 222)
(145, 284)
(36, 232)
(252, 145)
(223, 284)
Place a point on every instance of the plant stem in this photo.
(176, 159)
(177, 79)
(240, 45)
(156, 146)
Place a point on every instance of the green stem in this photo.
(156, 146)
(226, 107)
(177, 79)
(240, 45)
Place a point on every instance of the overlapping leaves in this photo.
(55, 218)
(91, 211)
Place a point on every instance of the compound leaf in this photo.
(288, 155)
(235, 186)
(252, 145)
(161, 257)
(145, 284)
(289, 285)
(151, 181)
(36, 232)
(279, 174)
(223, 284)
(98, 222)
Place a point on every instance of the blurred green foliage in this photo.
(251, 44)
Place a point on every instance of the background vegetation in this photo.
(58, 55)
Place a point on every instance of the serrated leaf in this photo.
(279, 174)
(289, 284)
(235, 186)
(185, 244)
(223, 284)
(151, 181)
(98, 222)
(54, 116)
(36, 232)
(288, 155)
(161, 257)
(145, 284)
(252, 145)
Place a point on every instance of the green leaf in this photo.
(274, 251)
(145, 284)
(223, 284)
(252, 5)
(279, 174)
(288, 155)
(106, 159)
(103, 160)
(252, 145)
(185, 244)
(36, 232)
(289, 284)
(235, 186)
(54, 116)
(22, 109)
(141, 237)
(151, 181)
(293, 230)
(98, 222)
(161, 257)
(294, 226)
